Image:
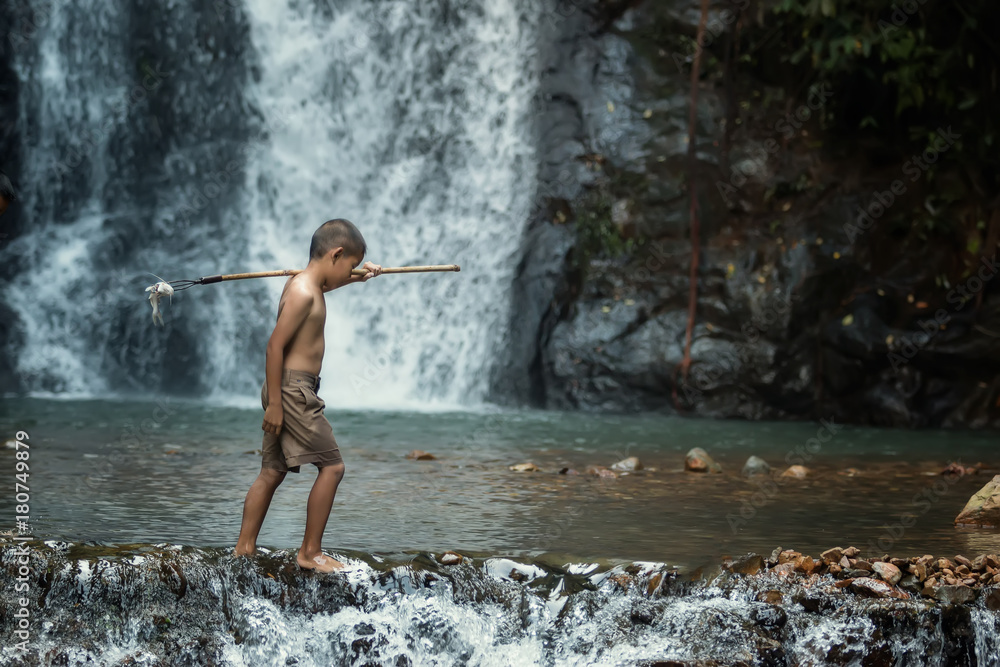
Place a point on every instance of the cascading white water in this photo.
(410, 118)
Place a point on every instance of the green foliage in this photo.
(596, 231)
(902, 66)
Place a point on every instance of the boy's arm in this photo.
(373, 270)
(293, 314)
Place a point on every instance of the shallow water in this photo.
(137, 471)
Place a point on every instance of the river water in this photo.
(135, 506)
(176, 471)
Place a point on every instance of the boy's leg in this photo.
(255, 508)
(317, 512)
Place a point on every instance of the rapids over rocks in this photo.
(165, 604)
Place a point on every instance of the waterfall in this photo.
(261, 120)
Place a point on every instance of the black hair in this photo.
(6, 188)
(337, 233)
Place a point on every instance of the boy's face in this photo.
(341, 265)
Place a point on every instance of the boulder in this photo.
(796, 472)
(876, 588)
(983, 509)
(420, 455)
(749, 564)
(698, 460)
(631, 464)
(954, 594)
(887, 571)
(756, 466)
(832, 555)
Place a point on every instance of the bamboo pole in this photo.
(208, 280)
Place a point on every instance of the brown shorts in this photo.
(306, 436)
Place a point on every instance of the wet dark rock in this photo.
(749, 564)
(698, 460)
(983, 509)
(958, 594)
(420, 455)
(887, 572)
(958, 470)
(769, 616)
(568, 471)
(770, 338)
(755, 466)
(877, 588)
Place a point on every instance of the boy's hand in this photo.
(274, 417)
(373, 270)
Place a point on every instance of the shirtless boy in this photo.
(295, 429)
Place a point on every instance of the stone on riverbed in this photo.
(983, 509)
(796, 472)
(749, 564)
(524, 467)
(698, 460)
(756, 466)
(631, 464)
(450, 558)
(887, 571)
(876, 588)
(601, 471)
(420, 455)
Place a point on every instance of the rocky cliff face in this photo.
(805, 309)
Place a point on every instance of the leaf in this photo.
(968, 103)
(848, 320)
(828, 8)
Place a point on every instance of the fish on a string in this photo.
(157, 292)
(166, 288)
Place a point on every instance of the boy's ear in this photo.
(337, 253)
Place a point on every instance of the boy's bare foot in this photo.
(320, 563)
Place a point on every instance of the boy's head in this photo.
(334, 234)
(7, 194)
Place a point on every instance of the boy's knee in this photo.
(335, 469)
(272, 476)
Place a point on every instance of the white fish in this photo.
(157, 292)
